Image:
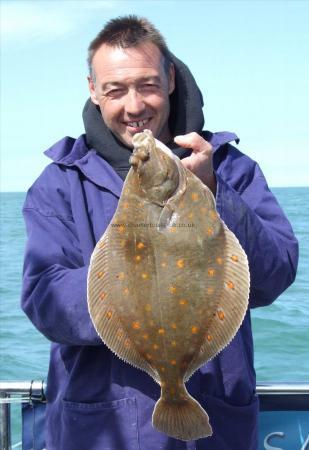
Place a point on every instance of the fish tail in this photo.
(181, 418)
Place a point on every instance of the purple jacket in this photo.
(95, 400)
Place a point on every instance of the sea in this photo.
(281, 331)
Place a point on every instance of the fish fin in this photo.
(103, 314)
(231, 307)
(183, 419)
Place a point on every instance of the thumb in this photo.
(194, 141)
(183, 141)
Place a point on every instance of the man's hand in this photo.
(200, 161)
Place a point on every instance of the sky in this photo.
(249, 58)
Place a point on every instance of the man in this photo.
(95, 400)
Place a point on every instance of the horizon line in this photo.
(270, 187)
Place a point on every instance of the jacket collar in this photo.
(75, 153)
(220, 138)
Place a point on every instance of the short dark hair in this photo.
(128, 31)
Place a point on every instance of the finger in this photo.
(187, 162)
(194, 141)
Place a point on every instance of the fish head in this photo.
(155, 166)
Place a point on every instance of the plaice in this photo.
(168, 283)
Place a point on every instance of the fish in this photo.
(168, 283)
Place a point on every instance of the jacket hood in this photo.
(186, 115)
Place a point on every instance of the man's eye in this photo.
(149, 86)
(114, 92)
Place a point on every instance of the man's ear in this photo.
(92, 90)
(171, 79)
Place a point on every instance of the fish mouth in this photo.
(136, 126)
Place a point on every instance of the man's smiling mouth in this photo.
(137, 124)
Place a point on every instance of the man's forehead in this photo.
(116, 58)
(114, 80)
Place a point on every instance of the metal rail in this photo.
(268, 388)
(16, 392)
(27, 391)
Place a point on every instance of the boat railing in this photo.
(273, 397)
(16, 392)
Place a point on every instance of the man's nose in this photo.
(134, 102)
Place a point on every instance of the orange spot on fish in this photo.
(145, 275)
(172, 289)
(180, 263)
(163, 264)
(162, 369)
(234, 258)
(127, 343)
(109, 314)
(209, 337)
(174, 325)
(149, 357)
(125, 205)
(126, 291)
(155, 346)
(122, 243)
(173, 362)
(148, 307)
(219, 261)
(211, 272)
(213, 214)
(173, 343)
(136, 325)
(210, 231)
(140, 245)
(161, 331)
(100, 274)
(230, 285)
(120, 276)
(172, 229)
(190, 215)
(138, 258)
(121, 228)
(183, 302)
(103, 296)
(194, 329)
(221, 314)
(210, 290)
(194, 196)
(145, 336)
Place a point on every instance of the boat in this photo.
(283, 417)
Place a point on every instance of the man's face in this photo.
(132, 90)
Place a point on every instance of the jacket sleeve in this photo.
(55, 275)
(253, 214)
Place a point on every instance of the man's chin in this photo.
(125, 140)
